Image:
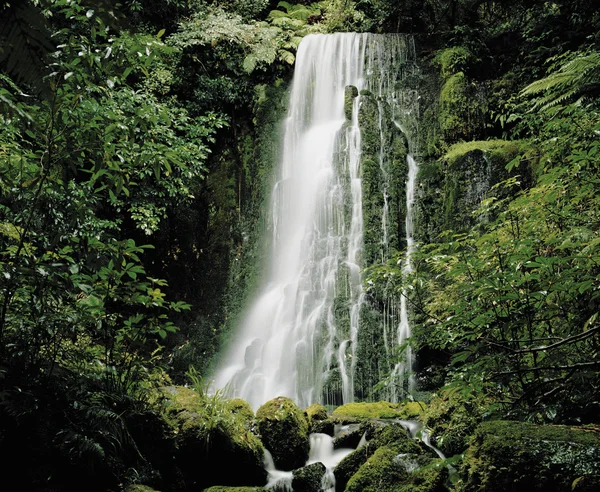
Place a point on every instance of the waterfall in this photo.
(403, 370)
(299, 337)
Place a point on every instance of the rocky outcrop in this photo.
(284, 432)
(508, 455)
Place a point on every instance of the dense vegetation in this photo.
(132, 175)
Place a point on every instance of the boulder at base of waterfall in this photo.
(379, 434)
(347, 436)
(506, 455)
(209, 431)
(388, 471)
(284, 432)
(308, 478)
(318, 420)
(380, 410)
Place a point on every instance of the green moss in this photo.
(308, 478)
(454, 60)
(514, 455)
(502, 150)
(412, 410)
(380, 410)
(364, 410)
(458, 108)
(381, 473)
(205, 429)
(284, 431)
(395, 437)
(452, 418)
(350, 93)
(316, 412)
(242, 407)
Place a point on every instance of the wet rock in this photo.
(284, 431)
(507, 455)
(308, 478)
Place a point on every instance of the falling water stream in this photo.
(292, 342)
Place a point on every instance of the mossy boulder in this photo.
(380, 473)
(380, 410)
(241, 407)
(386, 470)
(318, 420)
(284, 431)
(392, 436)
(316, 412)
(308, 478)
(508, 455)
(206, 430)
(452, 419)
(348, 436)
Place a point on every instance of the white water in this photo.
(403, 370)
(321, 450)
(291, 342)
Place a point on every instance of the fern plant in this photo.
(577, 79)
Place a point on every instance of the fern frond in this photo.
(579, 77)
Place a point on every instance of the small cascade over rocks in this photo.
(300, 337)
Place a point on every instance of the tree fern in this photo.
(577, 79)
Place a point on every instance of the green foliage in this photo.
(577, 77)
(519, 303)
(454, 60)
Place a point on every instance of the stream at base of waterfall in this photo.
(322, 450)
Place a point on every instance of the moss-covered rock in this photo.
(316, 412)
(308, 478)
(318, 420)
(207, 431)
(471, 171)
(392, 436)
(379, 410)
(452, 419)
(242, 407)
(380, 473)
(387, 470)
(348, 436)
(350, 93)
(284, 431)
(506, 455)
(323, 427)
(453, 60)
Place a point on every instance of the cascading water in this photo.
(299, 337)
(403, 369)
